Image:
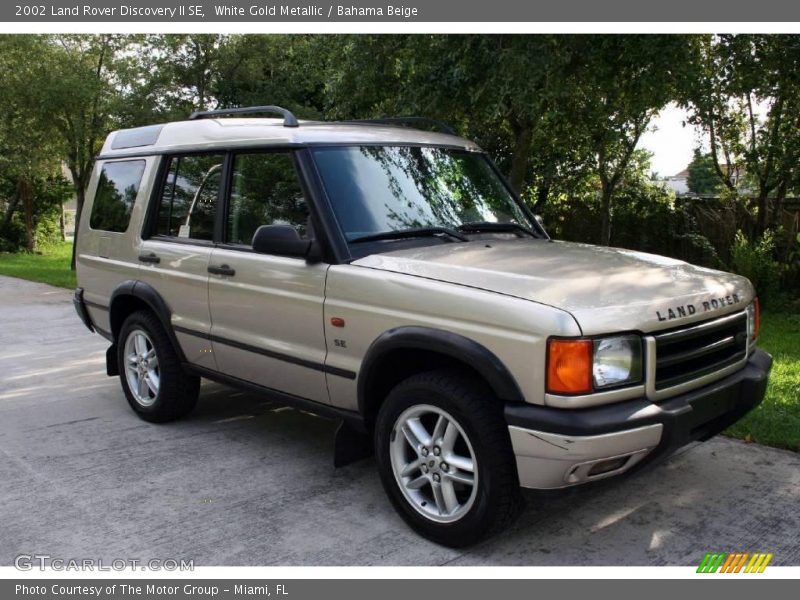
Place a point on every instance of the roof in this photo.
(236, 132)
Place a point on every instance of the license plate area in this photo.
(710, 409)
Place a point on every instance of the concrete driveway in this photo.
(243, 481)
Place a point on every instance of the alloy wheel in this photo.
(434, 463)
(141, 367)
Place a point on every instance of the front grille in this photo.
(692, 352)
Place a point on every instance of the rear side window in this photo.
(116, 194)
(189, 198)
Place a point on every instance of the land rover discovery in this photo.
(389, 277)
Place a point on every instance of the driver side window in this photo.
(265, 190)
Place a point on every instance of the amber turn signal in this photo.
(569, 366)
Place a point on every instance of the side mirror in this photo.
(539, 220)
(284, 241)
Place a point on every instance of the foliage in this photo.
(552, 110)
(51, 195)
(646, 217)
(47, 196)
(776, 422)
(744, 90)
(287, 70)
(703, 178)
(562, 115)
(791, 273)
(755, 261)
(508, 92)
(626, 80)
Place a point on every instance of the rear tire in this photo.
(459, 485)
(155, 384)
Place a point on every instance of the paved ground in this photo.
(242, 481)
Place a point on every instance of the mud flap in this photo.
(351, 445)
(112, 368)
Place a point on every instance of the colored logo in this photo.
(734, 562)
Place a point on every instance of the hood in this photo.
(605, 289)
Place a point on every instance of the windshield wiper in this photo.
(411, 233)
(488, 226)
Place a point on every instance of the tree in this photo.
(550, 109)
(505, 91)
(79, 102)
(287, 70)
(702, 178)
(745, 93)
(27, 151)
(624, 82)
(175, 75)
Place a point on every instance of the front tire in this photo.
(155, 385)
(445, 458)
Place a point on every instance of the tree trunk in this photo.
(605, 223)
(26, 196)
(62, 224)
(542, 194)
(80, 196)
(761, 222)
(12, 208)
(777, 205)
(521, 158)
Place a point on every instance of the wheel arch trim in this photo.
(453, 345)
(149, 296)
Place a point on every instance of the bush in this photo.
(48, 230)
(12, 236)
(645, 218)
(755, 260)
(49, 194)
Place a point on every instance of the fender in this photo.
(147, 294)
(468, 351)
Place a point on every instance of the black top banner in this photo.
(403, 11)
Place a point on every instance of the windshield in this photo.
(378, 189)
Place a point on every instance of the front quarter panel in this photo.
(372, 301)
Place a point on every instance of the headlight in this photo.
(581, 366)
(617, 361)
(753, 319)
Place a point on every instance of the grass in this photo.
(775, 423)
(51, 266)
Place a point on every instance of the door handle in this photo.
(149, 258)
(222, 270)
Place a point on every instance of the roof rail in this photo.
(289, 120)
(400, 121)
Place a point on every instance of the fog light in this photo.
(606, 466)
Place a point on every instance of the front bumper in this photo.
(557, 448)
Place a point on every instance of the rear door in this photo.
(266, 310)
(177, 245)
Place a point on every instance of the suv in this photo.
(389, 277)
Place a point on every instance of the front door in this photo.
(267, 311)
